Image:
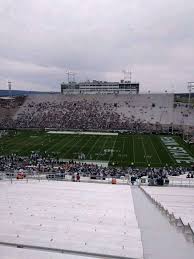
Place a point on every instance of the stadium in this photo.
(96, 174)
(120, 129)
(96, 129)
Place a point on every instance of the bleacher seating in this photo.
(178, 201)
(143, 112)
(8, 108)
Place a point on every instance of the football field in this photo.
(119, 150)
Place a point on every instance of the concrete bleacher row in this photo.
(80, 217)
(177, 203)
(106, 112)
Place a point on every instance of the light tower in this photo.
(9, 88)
(186, 127)
(190, 88)
(127, 75)
(70, 76)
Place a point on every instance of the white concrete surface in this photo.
(17, 253)
(94, 218)
(161, 240)
(177, 200)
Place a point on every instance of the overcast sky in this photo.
(41, 39)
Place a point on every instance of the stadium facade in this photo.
(100, 87)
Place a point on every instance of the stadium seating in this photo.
(99, 112)
(178, 201)
(8, 108)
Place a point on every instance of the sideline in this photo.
(83, 133)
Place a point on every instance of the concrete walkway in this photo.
(160, 239)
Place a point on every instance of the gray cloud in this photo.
(41, 39)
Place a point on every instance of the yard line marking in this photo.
(40, 139)
(38, 146)
(133, 149)
(14, 141)
(88, 140)
(102, 148)
(24, 142)
(113, 148)
(144, 150)
(64, 145)
(91, 149)
(74, 143)
(155, 149)
(70, 140)
(123, 142)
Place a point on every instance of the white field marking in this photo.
(38, 139)
(66, 143)
(102, 148)
(57, 143)
(86, 142)
(69, 141)
(171, 157)
(92, 148)
(113, 147)
(172, 146)
(74, 143)
(185, 148)
(133, 149)
(155, 149)
(122, 151)
(128, 144)
(83, 133)
(22, 141)
(144, 151)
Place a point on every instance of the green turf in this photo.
(122, 150)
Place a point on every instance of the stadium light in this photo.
(190, 88)
(9, 88)
(185, 127)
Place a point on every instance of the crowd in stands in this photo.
(90, 112)
(38, 164)
(136, 113)
(144, 112)
(8, 108)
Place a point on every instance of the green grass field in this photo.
(122, 150)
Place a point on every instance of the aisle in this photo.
(160, 239)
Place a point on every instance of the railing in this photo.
(173, 180)
(43, 177)
(179, 181)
